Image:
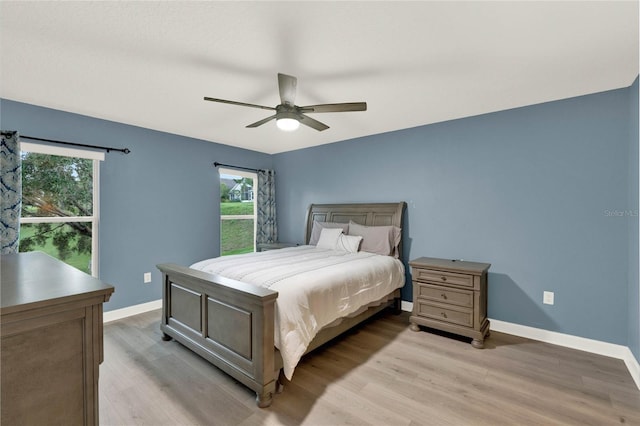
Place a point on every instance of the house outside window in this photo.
(237, 212)
(239, 188)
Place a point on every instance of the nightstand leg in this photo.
(414, 327)
(477, 343)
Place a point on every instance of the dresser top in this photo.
(463, 266)
(35, 279)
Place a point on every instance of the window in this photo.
(237, 212)
(60, 204)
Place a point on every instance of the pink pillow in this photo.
(382, 240)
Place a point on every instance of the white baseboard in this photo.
(632, 365)
(574, 342)
(566, 340)
(131, 310)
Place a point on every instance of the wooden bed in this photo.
(231, 323)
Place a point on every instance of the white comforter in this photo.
(315, 286)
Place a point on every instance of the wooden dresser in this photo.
(451, 295)
(51, 341)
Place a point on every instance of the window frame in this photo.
(254, 177)
(94, 219)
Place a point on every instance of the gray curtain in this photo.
(267, 228)
(11, 183)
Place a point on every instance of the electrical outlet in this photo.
(147, 277)
(547, 297)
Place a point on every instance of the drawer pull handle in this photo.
(443, 314)
(443, 278)
(444, 296)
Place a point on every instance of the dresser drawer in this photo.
(444, 294)
(446, 313)
(449, 278)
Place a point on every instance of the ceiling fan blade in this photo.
(238, 103)
(315, 124)
(261, 122)
(349, 106)
(287, 86)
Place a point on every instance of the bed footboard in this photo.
(229, 323)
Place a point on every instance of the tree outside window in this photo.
(59, 215)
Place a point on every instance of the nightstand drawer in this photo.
(449, 278)
(447, 313)
(445, 295)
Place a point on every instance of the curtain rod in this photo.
(106, 148)
(216, 164)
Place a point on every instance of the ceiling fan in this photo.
(288, 116)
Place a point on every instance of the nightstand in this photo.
(450, 295)
(273, 246)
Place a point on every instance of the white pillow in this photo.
(348, 243)
(319, 226)
(329, 238)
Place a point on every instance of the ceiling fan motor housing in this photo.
(287, 111)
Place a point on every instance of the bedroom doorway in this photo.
(237, 212)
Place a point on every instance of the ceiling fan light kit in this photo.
(288, 116)
(287, 124)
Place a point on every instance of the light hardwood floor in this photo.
(380, 374)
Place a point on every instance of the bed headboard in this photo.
(369, 214)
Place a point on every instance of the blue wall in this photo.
(533, 191)
(157, 204)
(634, 282)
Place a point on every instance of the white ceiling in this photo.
(150, 64)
